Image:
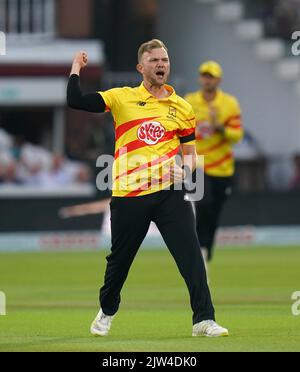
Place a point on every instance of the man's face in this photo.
(209, 83)
(155, 66)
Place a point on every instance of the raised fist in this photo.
(81, 59)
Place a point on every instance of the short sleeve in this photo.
(233, 125)
(187, 128)
(111, 98)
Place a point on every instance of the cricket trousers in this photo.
(208, 210)
(130, 221)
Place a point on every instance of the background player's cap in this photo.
(211, 67)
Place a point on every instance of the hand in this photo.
(177, 173)
(81, 59)
(213, 113)
(204, 129)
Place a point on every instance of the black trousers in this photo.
(130, 220)
(208, 210)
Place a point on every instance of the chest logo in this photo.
(151, 132)
(173, 111)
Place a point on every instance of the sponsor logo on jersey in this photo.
(151, 132)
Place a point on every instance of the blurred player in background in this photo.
(218, 128)
(152, 122)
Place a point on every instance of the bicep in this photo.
(93, 102)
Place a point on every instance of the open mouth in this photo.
(160, 73)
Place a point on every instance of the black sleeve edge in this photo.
(187, 139)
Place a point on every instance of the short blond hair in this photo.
(150, 45)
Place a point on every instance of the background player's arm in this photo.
(213, 119)
(233, 129)
(92, 102)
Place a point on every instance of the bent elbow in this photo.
(71, 103)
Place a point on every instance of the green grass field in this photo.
(53, 297)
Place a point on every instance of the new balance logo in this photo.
(141, 104)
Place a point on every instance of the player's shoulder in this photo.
(191, 96)
(184, 104)
(229, 98)
(121, 91)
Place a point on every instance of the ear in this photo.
(139, 68)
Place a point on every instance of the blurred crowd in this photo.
(281, 17)
(27, 164)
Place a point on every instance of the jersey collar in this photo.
(145, 94)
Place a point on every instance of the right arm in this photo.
(92, 102)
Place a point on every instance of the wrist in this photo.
(75, 68)
(219, 128)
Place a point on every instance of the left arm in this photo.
(189, 156)
(189, 161)
(187, 139)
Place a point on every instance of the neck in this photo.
(158, 91)
(209, 95)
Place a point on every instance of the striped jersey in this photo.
(148, 134)
(217, 146)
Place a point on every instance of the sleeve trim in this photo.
(188, 138)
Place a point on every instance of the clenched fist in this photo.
(177, 174)
(81, 59)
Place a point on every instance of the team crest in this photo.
(173, 111)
